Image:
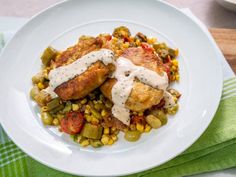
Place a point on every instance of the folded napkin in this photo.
(214, 150)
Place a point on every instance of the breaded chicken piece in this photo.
(83, 47)
(142, 96)
(86, 82)
(82, 85)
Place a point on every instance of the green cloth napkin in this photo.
(214, 150)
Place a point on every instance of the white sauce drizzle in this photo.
(125, 74)
(63, 74)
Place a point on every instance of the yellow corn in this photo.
(105, 139)
(174, 68)
(40, 85)
(151, 40)
(177, 77)
(84, 143)
(55, 122)
(83, 101)
(137, 42)
(114, 137)
(94, 120)
(87, 109)
(106, 131)
(114, 39)
(110, 142)
(140, 113)
(75, 107)
(176, 52)
(175, 62)
(175, 99)
(147, 128)
(88, 118)
(125, 45)
(140, 127)
(104, 113)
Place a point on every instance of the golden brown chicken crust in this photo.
(82, 85)
(141, 97)
(145, 58)
(83, 47)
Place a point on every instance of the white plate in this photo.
(60, 26)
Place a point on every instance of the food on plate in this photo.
(107, 84)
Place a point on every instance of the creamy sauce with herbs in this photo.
(65, 73)
(125, 74)
(169, 100)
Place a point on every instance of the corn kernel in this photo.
(126, 45)
(40, 85)
(75, 107)
(104, 113)
(114, 39)
(175, 99)
(110, 141)
(106, 131)
(84, 101)
(84, 143)
(55, 122)
(94, 120)
(140, 113)
(140, 127)
(114, 137)
(177, 77)
(88, 118)
(105, 140)
(137, 42)
(175, 62)
(174, 68)
(176, 52)
(151, 40)
(87, 109)
(147, 128)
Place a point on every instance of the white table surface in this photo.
(208, 11)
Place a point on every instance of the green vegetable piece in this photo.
(57, 109)
(121, 32)
(68, 107)
(92, 131)
(34, 91)
(96, 143)
(38, 78)
(172, 53)
(46, 117)
(53, 103)
(153, 121)
(132, 136)
(48, 55)
(160, 115)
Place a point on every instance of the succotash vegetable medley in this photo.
(87, 115)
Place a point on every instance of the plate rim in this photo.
(123, 173)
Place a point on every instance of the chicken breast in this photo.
(93, 77)
(83, 47)
(142, 96)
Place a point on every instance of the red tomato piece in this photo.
(147, 47)
(72, 123)
(138, 119)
